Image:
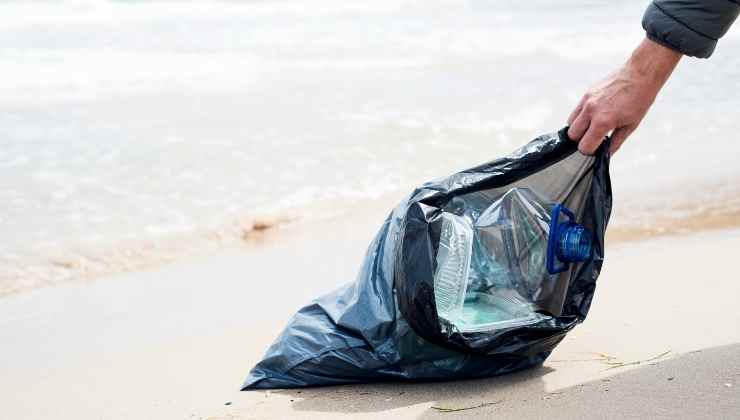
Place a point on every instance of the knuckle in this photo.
(590, 106)
(603, 120)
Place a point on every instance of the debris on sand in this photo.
(614, 363)
(453, 409)
(551, 395)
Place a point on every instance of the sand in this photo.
(176, 342)
(700, 384)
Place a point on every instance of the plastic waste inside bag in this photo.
(490, 267)
(477, 274)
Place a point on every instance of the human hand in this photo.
(619, 103)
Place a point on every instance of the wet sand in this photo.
(697, 385)
(177, 342)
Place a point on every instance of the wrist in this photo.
(652, 62)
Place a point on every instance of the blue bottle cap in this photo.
(567, 242)
(574, 243)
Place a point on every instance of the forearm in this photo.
(652, 63)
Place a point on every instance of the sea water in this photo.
(135, 131)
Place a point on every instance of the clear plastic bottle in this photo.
(492, 267)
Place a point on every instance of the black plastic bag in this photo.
(385, 325)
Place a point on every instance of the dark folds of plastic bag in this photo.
(384, 326)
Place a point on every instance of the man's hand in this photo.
(620, 102)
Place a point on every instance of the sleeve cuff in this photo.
(669, 32)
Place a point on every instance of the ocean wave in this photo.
(637, 217)
(84, 262)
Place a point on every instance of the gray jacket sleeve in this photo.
(691, 27)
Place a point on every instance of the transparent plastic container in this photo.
(493, 266)
(453, 265)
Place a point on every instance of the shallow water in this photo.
(139, 131)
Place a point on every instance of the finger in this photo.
(618, 137)
(593, 137)
(579, 126)
(576, 111)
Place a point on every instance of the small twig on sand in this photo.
(595, 359)
(452, 409)
(551, 395)
(602, 357)
(613, 363)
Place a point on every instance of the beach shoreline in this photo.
(637, 217)
(178, 340)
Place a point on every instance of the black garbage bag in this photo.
(391, 323)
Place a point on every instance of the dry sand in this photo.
(176, 342)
